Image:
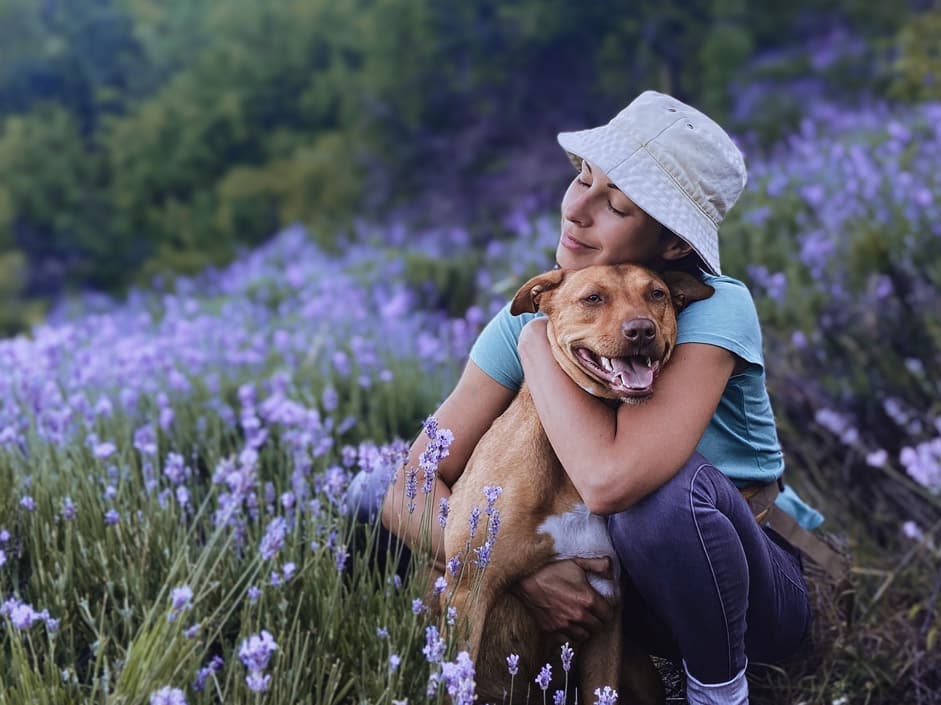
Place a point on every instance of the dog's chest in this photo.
(578, 533)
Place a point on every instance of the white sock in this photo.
(733, 692)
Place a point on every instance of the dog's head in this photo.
(613, 327)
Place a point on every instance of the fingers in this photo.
(601, 566)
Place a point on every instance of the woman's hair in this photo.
(690, 263)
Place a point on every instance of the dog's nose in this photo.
(639, 330)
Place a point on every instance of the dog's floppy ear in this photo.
(685, 289)
(528, 296)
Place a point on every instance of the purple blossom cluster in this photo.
(23, 617)
(255, 652)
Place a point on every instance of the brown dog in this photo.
(612, 330)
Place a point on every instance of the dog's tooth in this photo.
(648, 363)
(606, 363)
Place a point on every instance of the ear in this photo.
(528, 296)
(685, 289)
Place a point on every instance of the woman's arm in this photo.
(468, 412)
(616, 456)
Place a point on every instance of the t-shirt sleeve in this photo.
(495, 350)
(727, 319)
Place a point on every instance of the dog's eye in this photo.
(658, 294)
(593, 298)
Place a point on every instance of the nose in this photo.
(576, 210)
(639, 330)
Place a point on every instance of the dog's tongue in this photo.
(632, 372)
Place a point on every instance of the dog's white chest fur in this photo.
(580, 534)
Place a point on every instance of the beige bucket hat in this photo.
(673, 161)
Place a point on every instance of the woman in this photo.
(712, 585)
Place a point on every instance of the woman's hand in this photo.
(561, 600)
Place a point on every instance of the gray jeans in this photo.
(707, 582)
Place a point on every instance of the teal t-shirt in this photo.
(741, 439)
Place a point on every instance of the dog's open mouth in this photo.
(626, 376)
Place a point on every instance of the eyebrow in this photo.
(611, 184)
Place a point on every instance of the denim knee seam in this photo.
(715, 580)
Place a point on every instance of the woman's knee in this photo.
(660, 519)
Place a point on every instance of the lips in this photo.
(629, 377)
(573, 243)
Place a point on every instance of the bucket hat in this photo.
(673, 161)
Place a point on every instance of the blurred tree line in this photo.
(140, 136)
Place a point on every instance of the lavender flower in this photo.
(474, 520)
(443, 509)
(434, 645)
(394, 662)
(458, 677)
(513, 664)
(167, 696)
(545, 675)
(606, 696)
(418, 606)
(68, 508)
(340, 556)
(441, 584)
(112, 517)
(273, 540)
(558, 697)
(255, 652)
(181, 598)
(202, 675)
(567, 654)
(28, 503)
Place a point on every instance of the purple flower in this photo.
(68, 508)
(558, 698)
(441, 584)
(253, 594)
(273, 540)
(104, 450)
(513, 664)
(567, 654)
(434, 645)
(202, 675)
(443, 508)
(192, 631)
(340, 556)
(454, 565)
(492, 492)
(28, 503)
(606, 696)
(382, 633)
(167, 696)
(418, 606)
(545, 675)
(4, 535)
(258, 682)
(483, 553)
(474, 520)
(458, 677)
(180, 599)
(255, 652)
(112, 517)
(394, 661)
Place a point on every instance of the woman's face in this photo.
(601, 225)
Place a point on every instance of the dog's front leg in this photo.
(606, 659)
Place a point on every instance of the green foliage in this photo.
(143, 136)
(916, 71)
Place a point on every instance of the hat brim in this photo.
(646, 183)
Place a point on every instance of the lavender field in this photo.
(177, 525)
